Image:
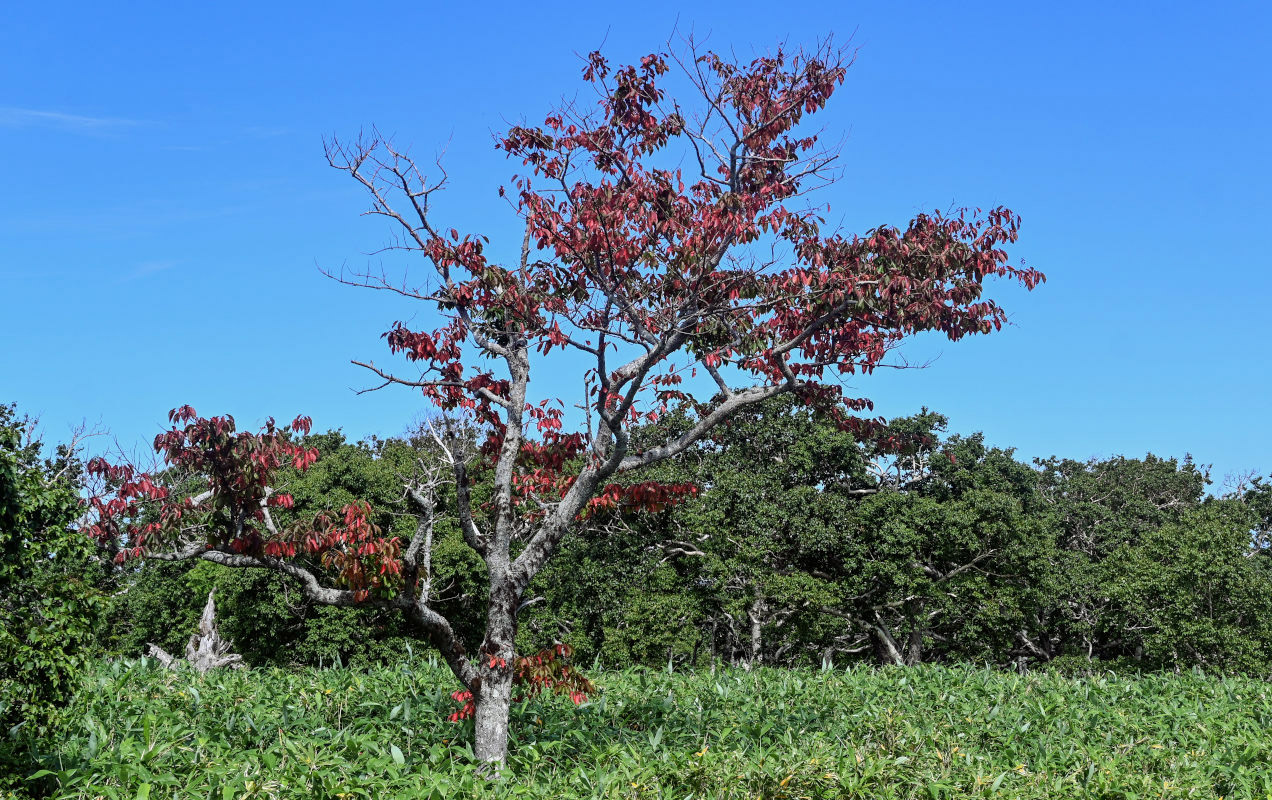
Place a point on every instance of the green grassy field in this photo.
(926, 732)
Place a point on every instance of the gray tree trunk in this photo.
(491, 731)
(757, 615)
(493, 696)
(914, 653)
(886, 647)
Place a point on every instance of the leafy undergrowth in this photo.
(137, 732)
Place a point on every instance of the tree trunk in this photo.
(711, 643)
(493, 704)
(886, 647)
(493, 696)
(914, 650)
(757, 614)
(914, 653)
(206, 650)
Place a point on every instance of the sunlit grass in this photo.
(927, 732)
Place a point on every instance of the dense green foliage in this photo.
(47, 599)
(803, 548)
(806, 547)
(927, 732)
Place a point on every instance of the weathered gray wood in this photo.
(206, 650)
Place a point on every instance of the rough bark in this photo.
(491, 718)
(493, 695)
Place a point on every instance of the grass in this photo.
(928, 732)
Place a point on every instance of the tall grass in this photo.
(928, 732)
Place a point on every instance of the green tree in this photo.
(1257, 494)
(935, 554)
(1194, 595)
(1096, 510)
(614, 597)
(778, 481)
(48, 598)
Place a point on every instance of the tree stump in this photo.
(206, 650)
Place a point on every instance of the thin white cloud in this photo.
(150, 268)
(30, 117)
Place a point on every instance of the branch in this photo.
(463, 489)
(418, 559)
(157, 652)
(308, 581)
(942, 577)
(725, 409)
(390, 378)
(438, 628)
(443, 637)
(403, 175)
(674, 547)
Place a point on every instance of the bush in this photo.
(48, 606)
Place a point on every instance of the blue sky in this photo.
(166, 207)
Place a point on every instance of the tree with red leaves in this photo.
(713, 288)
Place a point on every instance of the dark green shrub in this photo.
(48, 604)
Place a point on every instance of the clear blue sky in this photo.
(165, 204)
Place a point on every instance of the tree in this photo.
(777, 482)
(615, 597)
(49, 601)
(1096, 510)
(1256, 492)
(631, 274)
(927, 546)
(1192, 596)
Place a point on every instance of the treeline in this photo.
(806, 547)
(803, 547)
